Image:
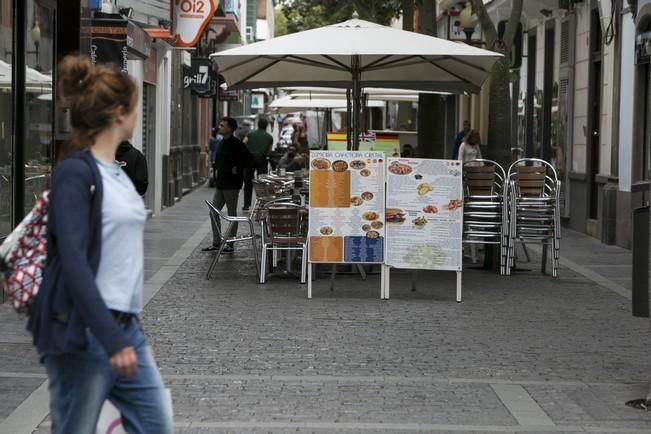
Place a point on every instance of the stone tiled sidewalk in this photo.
(526, 353)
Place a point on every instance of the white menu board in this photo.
(424, 214)
(346, 207)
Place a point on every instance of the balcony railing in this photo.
(231, 7)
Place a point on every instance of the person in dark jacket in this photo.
(134, 164)
(232, 159)
(84, 321)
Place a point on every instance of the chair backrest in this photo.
(483, 180)
(533, 177)
(264, 189)
(286, 221)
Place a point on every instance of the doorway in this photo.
(149, 139)
(594, 112)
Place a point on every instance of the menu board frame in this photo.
(346, 208)
(424, 201)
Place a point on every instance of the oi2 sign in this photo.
(190, 18)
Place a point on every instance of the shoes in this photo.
(212, 248)
(245, 208)
(228, 249)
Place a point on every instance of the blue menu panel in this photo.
(363, 249)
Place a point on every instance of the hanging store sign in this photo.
(190, 18)
(198, 76)
(108, 42)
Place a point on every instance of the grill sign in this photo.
(198, 76)
(190, 18)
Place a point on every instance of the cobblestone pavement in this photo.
(526, 353)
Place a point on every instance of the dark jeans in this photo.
(221, 198)
(249, 176)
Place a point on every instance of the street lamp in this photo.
(468, 21)
(36, 38)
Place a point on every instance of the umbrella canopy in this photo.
(291, 104)
(358, 51)
(356, 54)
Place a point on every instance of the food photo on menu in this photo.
(346, 206)
(424, 213)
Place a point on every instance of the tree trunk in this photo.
(499, 115)
(431, 110)
(405, 111)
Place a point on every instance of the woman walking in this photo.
(85, 319)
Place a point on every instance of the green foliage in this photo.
(310, 14)
(280, 22)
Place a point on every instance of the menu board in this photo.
(424, 214)
(346, 207)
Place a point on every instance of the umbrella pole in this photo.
(349, 121)
(355, 67)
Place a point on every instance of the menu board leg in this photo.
(458, 286)
(309, 281)
(382, 281)
(386, 286)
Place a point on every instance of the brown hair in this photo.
(472, 138)
(95, 95)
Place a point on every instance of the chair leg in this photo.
(543, 265)
(304, 264)
(274, 260)
(473, 253)
(255, 255)
(214, 261)
(263, 265)
(524, 248)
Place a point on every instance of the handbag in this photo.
(23, 256)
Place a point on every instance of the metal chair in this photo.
(484, 209)
(534, 205)
(251, 236)
(285, 229)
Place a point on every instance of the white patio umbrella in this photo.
(290, 103)
(355, 54)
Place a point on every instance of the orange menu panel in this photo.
(329, 189)
(326, 249)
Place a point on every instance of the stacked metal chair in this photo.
(484, 210)
(533, 193)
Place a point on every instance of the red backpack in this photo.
(23, 256)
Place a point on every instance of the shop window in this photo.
(39, 105)
(6, 116)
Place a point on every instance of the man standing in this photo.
(458, 139)
(213, 146)
(259, 143)
(231, 160)
(134, 164)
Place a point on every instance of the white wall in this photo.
(136, 70)
(626, 98)
(581, 75)
(163, 120)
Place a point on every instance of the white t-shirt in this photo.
(120, 276)
(469, 152)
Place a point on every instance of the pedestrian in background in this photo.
(134, 164)
(259, 143)
(469, 149)
(232, 158)
(85, 318)
(458, 139)
(213, 146)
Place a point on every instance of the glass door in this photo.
(39, 104)
(6, 115)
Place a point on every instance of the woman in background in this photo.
(469, 149)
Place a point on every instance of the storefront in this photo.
(27, 63)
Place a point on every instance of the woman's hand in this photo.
(124, 362)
